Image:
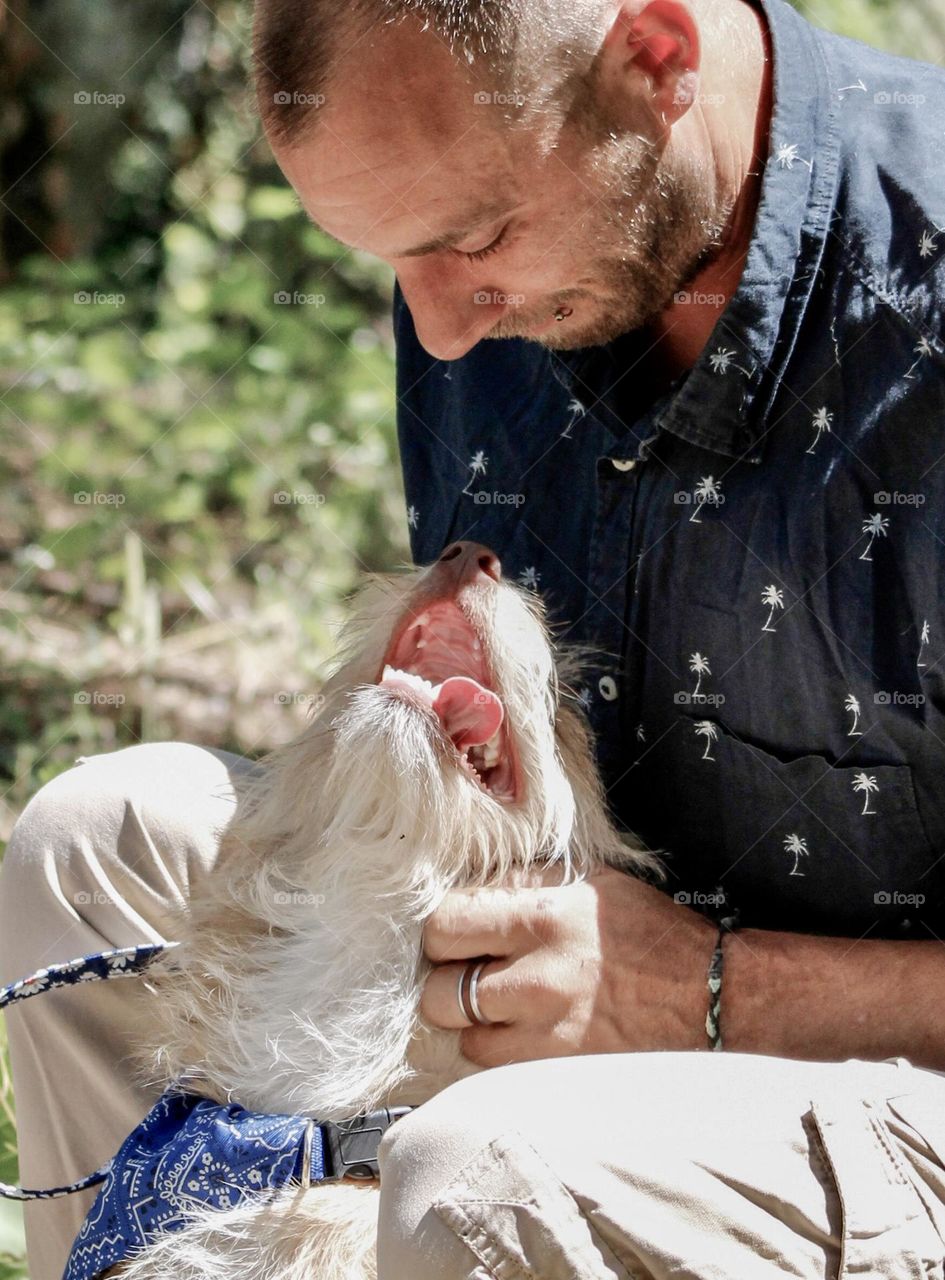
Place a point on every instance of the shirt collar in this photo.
(722, 402)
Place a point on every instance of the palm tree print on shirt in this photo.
(706, 729)
(821, 423)
(798, 846)
(576, 411)
(529, 578)
(413, 517)
(722, 359)
(867, 784)
(787, 156)
(477, 467)
(852, 705)
(707, 490)
(927, 245)
(876, 526)
(699, 666)
(923, 642)
(921, 349)
(773, 598)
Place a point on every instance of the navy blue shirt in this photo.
(758, 552)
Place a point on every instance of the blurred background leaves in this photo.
(196, 397)
(197, 446)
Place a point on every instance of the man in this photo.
(671, 281)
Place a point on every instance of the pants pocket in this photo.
(511, 1209)
(886, 1228)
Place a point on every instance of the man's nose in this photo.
(462, 563)
(449, 321)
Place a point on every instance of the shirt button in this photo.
(608, 688)
(623, 464)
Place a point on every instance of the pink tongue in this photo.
(469, 713)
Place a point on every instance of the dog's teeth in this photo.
(421, 644)
(487, 754)
(408, 677)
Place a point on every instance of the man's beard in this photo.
(653, 231)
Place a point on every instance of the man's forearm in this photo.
(798, 996)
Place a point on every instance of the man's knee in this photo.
(422, 1151)
(104, 852)
(426, 1149)
(434, 1153)
(420, 1155)
(472, 1187)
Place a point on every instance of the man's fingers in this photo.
(487, 922)
(498, 1046)
(440, 1003)
(471, 922)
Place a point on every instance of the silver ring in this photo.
(467, 993)
(474, 995)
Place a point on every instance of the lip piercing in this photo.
(562, 313)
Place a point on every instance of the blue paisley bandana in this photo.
(187, 1155)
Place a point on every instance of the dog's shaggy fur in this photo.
(297, 984)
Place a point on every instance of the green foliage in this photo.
(916, 30)
(209, 394)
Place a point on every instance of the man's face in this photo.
(492, 227)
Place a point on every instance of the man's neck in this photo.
(682, 331)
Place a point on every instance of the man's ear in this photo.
(651, 64)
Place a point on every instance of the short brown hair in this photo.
(297, 45)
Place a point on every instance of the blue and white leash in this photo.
(122, 962)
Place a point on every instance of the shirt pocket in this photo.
(814, 846)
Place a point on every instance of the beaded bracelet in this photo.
(713, 1029)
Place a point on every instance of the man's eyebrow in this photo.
(479, 216)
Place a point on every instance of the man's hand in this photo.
(608, 965)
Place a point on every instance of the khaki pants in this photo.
(639, 1165)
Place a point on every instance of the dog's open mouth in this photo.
(437, 656)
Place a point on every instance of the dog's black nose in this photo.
(468, 561)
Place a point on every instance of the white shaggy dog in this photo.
(441, 756)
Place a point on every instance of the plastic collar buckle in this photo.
(353, 1143)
